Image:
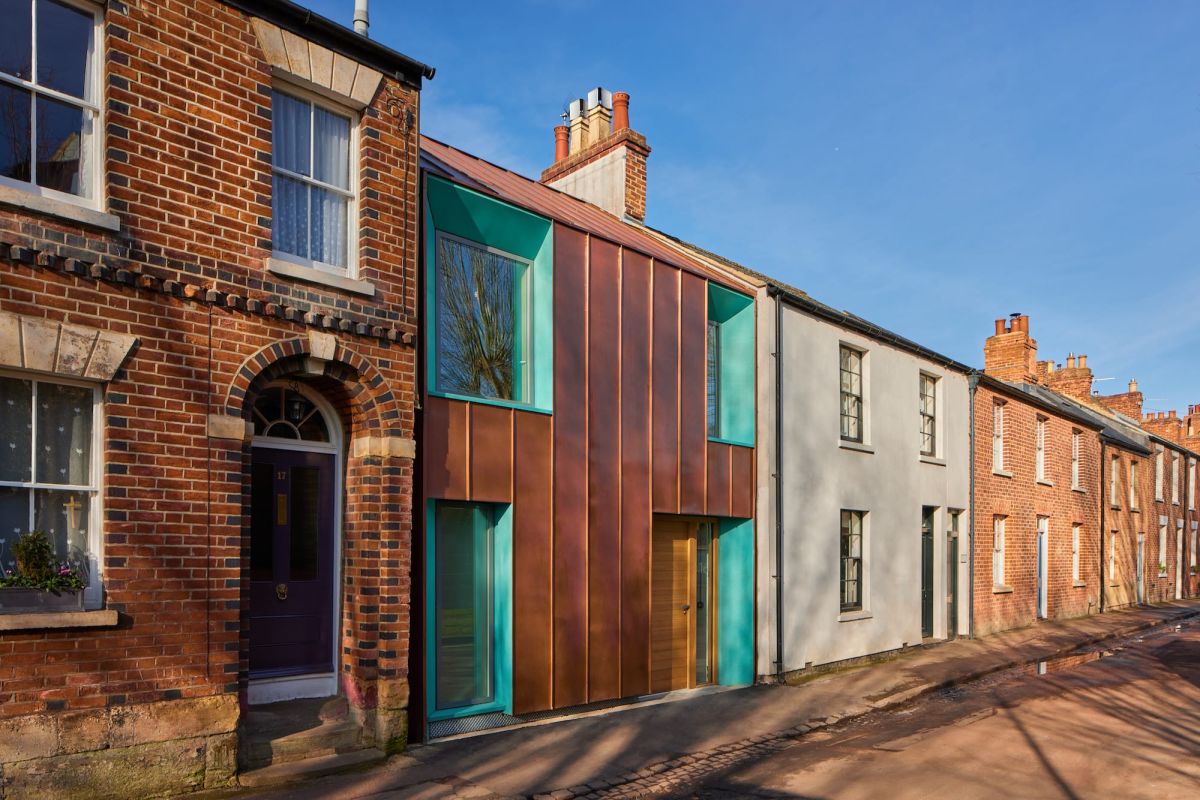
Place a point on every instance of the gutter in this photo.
(775, 293)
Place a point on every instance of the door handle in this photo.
(281, 591)
(685, 607)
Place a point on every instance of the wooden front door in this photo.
(682, 630)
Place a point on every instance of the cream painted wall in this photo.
(887, 478)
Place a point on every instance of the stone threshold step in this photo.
(309, 768)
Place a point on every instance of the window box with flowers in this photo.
(40, 582)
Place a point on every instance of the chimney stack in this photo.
(1011, 354)
(602, 160)
(361, 23)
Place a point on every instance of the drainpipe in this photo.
(361, 22)
(774, 293)
(1103, 518)
(972, 385)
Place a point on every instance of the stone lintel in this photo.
(60, 348)
(384, 447)
(225, 426)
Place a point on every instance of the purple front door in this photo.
(291, 563)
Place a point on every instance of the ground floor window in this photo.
(851, 561)
(998, 551)
(469, 608)
(48, 481)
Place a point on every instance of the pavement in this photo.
(635, 751)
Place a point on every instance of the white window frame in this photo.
(1174, 478)
(1133, 473)
(93, 594)
(1114, 481)
(94, 176)
(998, 437)
(863, 583)
(1112, 556)
(1076, 448)
(350, 271)
(1162, 547)
(1195, 536)
(936, 386)
(864, 438)
(1041, 424)
(998, 525)
(1076, 529)
(1191, 482)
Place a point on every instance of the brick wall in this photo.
(187, 171)
(1021, 499)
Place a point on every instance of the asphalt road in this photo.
(1119, 723)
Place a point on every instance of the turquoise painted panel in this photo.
(502, 577)
(459, 211)
(735, 602)
(735, 313)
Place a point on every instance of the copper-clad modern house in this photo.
(586, 446)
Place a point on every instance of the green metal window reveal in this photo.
(731, 354)
(735, 602)
(468, 602)
(488, 236)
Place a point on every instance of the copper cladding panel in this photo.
(444, 449)
(636, 518)
(491, 454)
(664, 391)
(532, 569)
(718, 479)
(742, 482)
(693, 434)
(604, 472)
(570, 467)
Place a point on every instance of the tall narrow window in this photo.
(1162, 549)
(1075, 530)
(1112, 556)
(1114, 481)
(1191, 493)
(998, 437)
(1195, 548)
(50, 100)
(1158, 473)
(463, 605)
(312, 202)
(852, 394)
(998, 551)
(482, 321)
(928, 402)
(1133, 485)
(48, 482)
(852, 561)
(1076, 439)
(713, 378)
(1175, 478)
(1041, 448)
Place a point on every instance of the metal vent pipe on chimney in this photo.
(361, 23)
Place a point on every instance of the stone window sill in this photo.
(852, 616)
(298, 272)
(1002, 589)
(1079, 489)
(1002, 473)
(1044, 482)
(937, 462)
(46, 620)
(1079, 584)
(856, 446)
(1135, 511)
(27, 201)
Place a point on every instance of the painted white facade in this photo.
(886, 477)
(602, 182)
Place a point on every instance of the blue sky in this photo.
(929, 166)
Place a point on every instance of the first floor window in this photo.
(463, 605)
(1133, 485)
(1175, 478)
(928, 406)
(713, 377)
(852, 561)
(48, 482)
(1075, 530)
(312, 199)
(851, 369)
(1114, 481)
(998, 437)
(1076, 437)
(482, 321)
(49, 98)
(998, 551)
(1041, 448)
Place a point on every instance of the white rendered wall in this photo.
(602, 182)
(885, 477)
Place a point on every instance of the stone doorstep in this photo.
(310, 768)
(654, 771)
(327, 739)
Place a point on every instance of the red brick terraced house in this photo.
(1037, 515)
(208, 232)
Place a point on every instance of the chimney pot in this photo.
(620, 106)
(1171, 414)
(1001, 327)
(1070, 361)
(1132, 386)
(1083, 362)
(562, 144)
